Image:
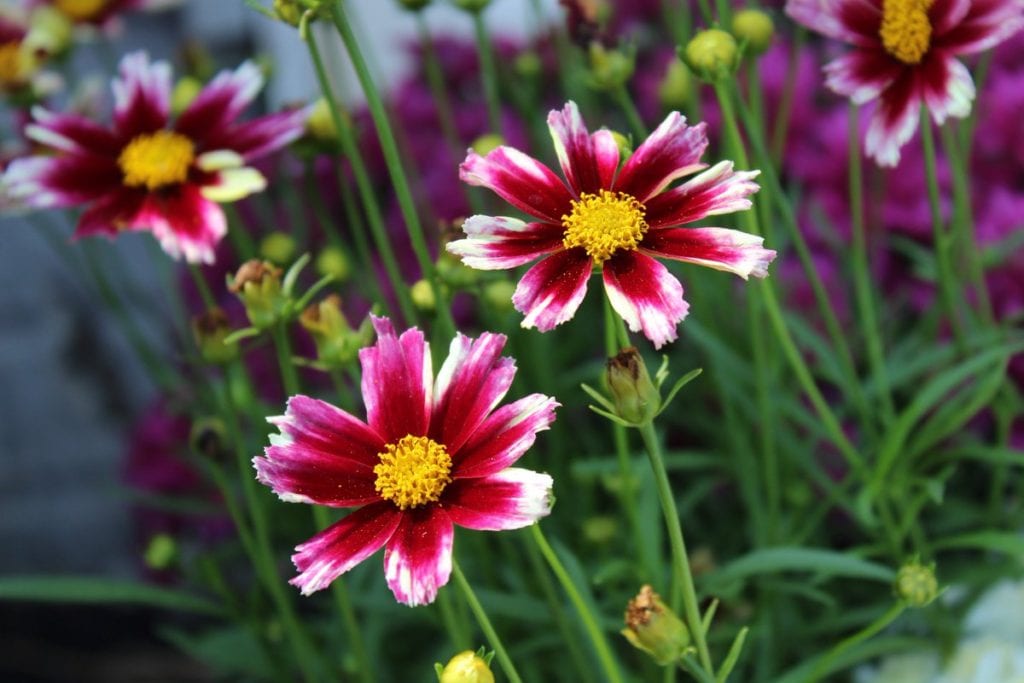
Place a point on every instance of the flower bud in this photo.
(527, 65)
(625, 147)
(337, 344)
(209, 330)
(486, 143)
(467, 667)
(916, 584)
(498, 295)
(634, 395)
(49, 32)
(609, 69)
(676, 86)
(334, 261)
(422, 293)
(473, 6)
(160, 552)
(208, 437)
(711, 54)
(652, 627)
(288, 11)
(278, 247)
(185, 91)
(258, 284)
(755, 28)
(453, 272)
(320, 122)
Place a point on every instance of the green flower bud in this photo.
(676, 86)
(635, 397)
(652, 627)
(624, 145)
(755, 28)
(609, 69)
(916, 584)
(337, 344)
(473, 6)
(288, 11)
(258, 284)
(467, 667)
(185, 90)
(334, 261)
(208, 437)
(453, 272)
(527, 64)
(711, 54)
(422, 293)
(600, 529)
(278, 247)
(487, 143)
(161, 552)
(209, 330)
(498, 295)
(320, 123)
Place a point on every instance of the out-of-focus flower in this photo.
(905, 56)
(467, 667)
(102, 12)
(610, 218)
(431, 455)
(147, 173)
(652, 627)
(209, 330)
(712, 54)
(609, 70)
(753, 27)
(19, 62)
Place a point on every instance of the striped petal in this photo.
(397, 382)
(501, 242)
(646, 295)
(893, 121)
(521, 180)
(470, 383)
(61, 181)
(71, 133)
(716, 191)
(142, 95)
(862, 75)
(851, 21)
(551, 291)
(219, 103)
(510, 499)
(720, 248)
(261, 136)
(418, 558)
(504, 437)
(111, 214)
(987, 23)
(343, 545)
(184, 222)
(588, 162)
(946, 87)
(672, 151)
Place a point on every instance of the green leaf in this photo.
(733, 656)
(862, 652)
(94, 590)
(1011, 543)
(824, 562)
(680, 383)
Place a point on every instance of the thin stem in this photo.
(203, 286)
(283, 346)
(781, 129)
(824, 664)
(680, 560)
(241, 240)
(386, 137)
(590, 623)
(365, 187)
(636, 122)
(861, 270)
(488, 72)
(485, 624)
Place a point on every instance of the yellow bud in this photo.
(422, 294)
(498, 295)
(466, 667)
(487, 143)
(711, 54)
(916, 584)
(320, 123)
(288, 11)
(609, 69)
(676, 86)
(334, 261)
(185, 90)
(755, 28)
(337, 344)
(161, 552)
(278, 247)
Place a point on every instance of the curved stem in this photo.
(590, 624)
(488, 72)
(890, 615)
(485, 624)
(636, 122)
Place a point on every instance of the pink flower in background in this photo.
(148, 173)
(613, 218)
(905, 56)
(432, 454)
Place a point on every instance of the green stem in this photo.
(283, 346)
(241, 240)
(203, 286)
(396, 170)
(458, 635)
(824, 664)
(680, 560)
(485, 624)
(636, 122)
(862, 272)
(590, 623)
(781, 129)
(366, 191)
(488, 72)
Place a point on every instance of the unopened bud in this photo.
(755, 28)
(414, 5)
(527, 64)
(676, 86)
(622, 142)
(711, 54)
(258, 284)
(288, 11)
(916, 584)
(185, 91)
(609, 69)
(652, 627)
(334, 261)
(320, 122)
(467, 667)
(498, 295)
(473, 6)
(161, 552)
(49, 32)
(278, 247)
(422, 293)
(209, 330)
(337, 344)
(634, 395)
(487, 143)
(208, 437)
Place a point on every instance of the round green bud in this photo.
(320, 122)
(498, 295)
(278, 247)
(600, 529)
(334, 261)
(609, 69)
(161, 552)
(422, 293)
(527, 64)
(185, 90)
(676, 86)
(916, 584)
(711, 53)
(466, 667)
(755, 28)
(487, 143)
(288, 11)
(624, 145)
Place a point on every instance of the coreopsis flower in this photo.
(101, 12)
(432, 454)
(611, 218)
(905, 57)
(148, 173)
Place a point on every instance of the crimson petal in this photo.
(418, 558)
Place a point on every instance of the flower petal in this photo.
(893, 121)
(987, 23)
(470, 383)
(60, 181)
(521, 180)
(733, 251)
(111, 214)
(397, 382)
(670, 152)
(946, 87)
(142, 95)
(504, 437)
(510, 499)
(184, 222)
(418, 558)
(501, 242)
(646, 295)
(588, 162)
(343, 545)
(551, 291)
(861, 74)
(716, 191)
(71, 133)
(258, 137)
(219, 103)
(852, 21)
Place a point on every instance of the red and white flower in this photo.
(905, 56)
(148, 173)
(431, 455)
(612, 218)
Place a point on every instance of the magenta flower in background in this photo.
(149, 174)
(613, 218)
(432, 454)
(905, 56)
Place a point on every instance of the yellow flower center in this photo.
(906, 31)
(413, 472)
(603, 223)
(12, 63)
(80, 10)
(157, 159)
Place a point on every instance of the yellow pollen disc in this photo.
(603, 223)
(80, 10)
(906, 32)
(12, 64)
(157, 159)
(413, 472)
